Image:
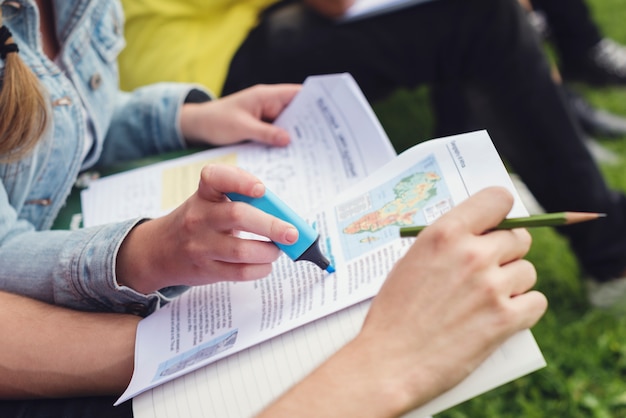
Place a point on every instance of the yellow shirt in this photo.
(184, 40)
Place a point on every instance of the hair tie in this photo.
(5, 48)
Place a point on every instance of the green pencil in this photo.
(546, 219)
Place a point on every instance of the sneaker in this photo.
(610, 295)
(595, 122)
(603, 65)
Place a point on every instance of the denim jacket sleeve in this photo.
(145, 122)
(77, 268)
(69, 268)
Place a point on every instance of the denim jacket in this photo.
(77, 268)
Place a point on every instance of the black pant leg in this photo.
(293, 42)
(571, 25)
(89, 407)
(489, 48)
(530, 122)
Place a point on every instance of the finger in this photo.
(238, 250)
(483, 210)
(276, 98)
(268, 134)
(218, 179)
(232, 272)
(506, 245)
(528, 308)
(520, 276)
(245, 217)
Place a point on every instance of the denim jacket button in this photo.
(95, 81)
(63, 101)
(137, 309)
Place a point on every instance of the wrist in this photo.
(190, 116)
(197, 96)
(352, 382)
(137, 266)
(385, 389)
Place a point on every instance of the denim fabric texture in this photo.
(77, 268)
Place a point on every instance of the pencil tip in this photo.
(576, 217)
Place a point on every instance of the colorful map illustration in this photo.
(417, 197)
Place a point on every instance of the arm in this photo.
(195, 244)
(457, 295)
(77, 269)
(330, 8)
(155, 119)
(55, 352)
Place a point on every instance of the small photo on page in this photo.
(196, 355)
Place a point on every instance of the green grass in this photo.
(585, 348)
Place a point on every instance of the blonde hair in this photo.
(23, 106)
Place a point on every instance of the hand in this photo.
(330, 8)
(459, 292)
(198, 242)
(241, 116)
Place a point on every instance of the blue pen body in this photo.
(307, 246)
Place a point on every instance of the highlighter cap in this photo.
(314, 255)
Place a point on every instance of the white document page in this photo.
(336, 141)
(361, 229)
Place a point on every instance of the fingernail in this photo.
(291, 235)
(258, 190)
(282, 138)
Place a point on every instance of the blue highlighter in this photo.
(307, 247)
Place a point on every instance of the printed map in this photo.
(417, 197)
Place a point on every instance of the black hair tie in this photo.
(5, 48)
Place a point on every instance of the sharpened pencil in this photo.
(546, 219)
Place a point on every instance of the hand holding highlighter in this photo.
(307, 246)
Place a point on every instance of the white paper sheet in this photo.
(361, 229)
(227, 350)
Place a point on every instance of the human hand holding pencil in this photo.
(460, 276)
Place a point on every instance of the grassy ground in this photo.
(585, 348)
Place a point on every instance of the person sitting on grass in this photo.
(486, 47)
(70, 301)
